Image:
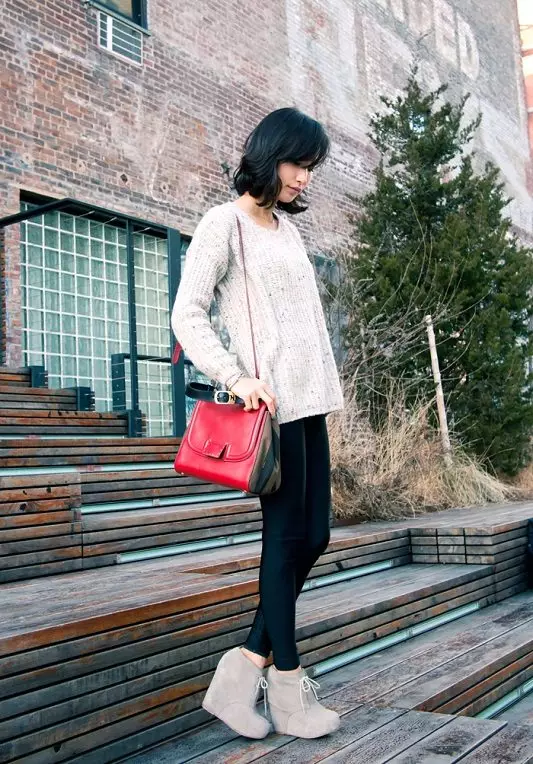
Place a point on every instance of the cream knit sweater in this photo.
(292, 344)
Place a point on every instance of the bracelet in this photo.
(233, 379)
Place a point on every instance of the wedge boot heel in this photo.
(232, 695)
(294, 706)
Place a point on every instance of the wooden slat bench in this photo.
(43, 422)
(40, 532)
(14, 377)
(108, 535)
(90, 452)
(135, 648)
(40, 398)
(372, 729)
(349, 548)
(494, 535)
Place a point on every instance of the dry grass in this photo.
(399, 471)
(524, 482)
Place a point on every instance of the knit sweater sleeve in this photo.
(206, 263)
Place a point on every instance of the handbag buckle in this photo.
(228, 396)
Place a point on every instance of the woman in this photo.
(299, 383)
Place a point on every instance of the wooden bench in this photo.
(493, 535)
(380, 699)
(43, 399)
(40, 532)
(136, 646)
(15, 377)
(61, 423)
(87, 454)
(34, 542)
(124, 528)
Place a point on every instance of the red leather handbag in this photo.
(226, 445)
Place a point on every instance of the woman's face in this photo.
(294, 179)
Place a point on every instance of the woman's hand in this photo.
(251, 390)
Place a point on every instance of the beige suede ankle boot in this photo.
(294, 706)
(232, 694)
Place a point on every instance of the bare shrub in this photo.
(398, 471)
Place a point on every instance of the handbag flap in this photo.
(225, 430)
(211, 448)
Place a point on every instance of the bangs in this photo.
(310, 147)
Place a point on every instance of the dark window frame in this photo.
(139, 17)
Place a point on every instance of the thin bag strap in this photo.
(177, 347)
(247, 296)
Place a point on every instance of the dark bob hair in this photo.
(284, 135)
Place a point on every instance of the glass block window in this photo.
(74, 300)
(75, 308)
(153, 332)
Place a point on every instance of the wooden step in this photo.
(103, 487)
(367, 735)
(14, 377)
(28, 398)
(360, 689)
(520, 712)
(42, 422)
(101, 655)
(107, 535)
(40, 531)
(103, 534)
(36, 452)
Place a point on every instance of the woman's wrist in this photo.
(231, 380)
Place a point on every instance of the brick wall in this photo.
(151, 140)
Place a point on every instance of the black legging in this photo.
(295, 533)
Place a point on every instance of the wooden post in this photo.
(441, 407)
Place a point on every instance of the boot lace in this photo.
(263, 685)
(306, 684)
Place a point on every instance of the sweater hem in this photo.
(311, 412)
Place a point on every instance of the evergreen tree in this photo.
(432, 238)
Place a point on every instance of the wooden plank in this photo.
(44, 569)
(61, 429)
(187, 651)
(391, 739)
(285, 749)
(37, 392)
(495, 538)
(489, 691)
(30, 482)
(125, 519)
(42, 518)
(438, 685)
(69, 622)
(383, 627)
(129, 444)
(34, 558)
(37, 544)
(153, 713)
(20, 507)
(28, 417)
(36, 668)
(513, 744)
(147, 542)
(170, 526)
(40, 531)
(451, 741)
(380, 678)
